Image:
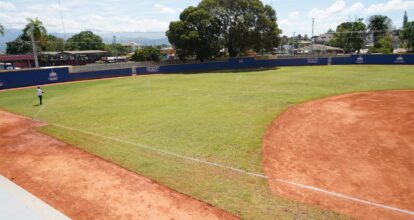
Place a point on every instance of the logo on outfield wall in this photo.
(399, 59)
(313, 60)
(360, 60)
(241, 61)
(53, 76)
(153, 69)
(1, 84)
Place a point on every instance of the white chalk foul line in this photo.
(38, 112)
(346, 197)
(259, 175)
(162, 151)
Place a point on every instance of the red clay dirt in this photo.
(83, 186)
(359, 145)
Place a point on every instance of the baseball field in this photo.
(202, 134)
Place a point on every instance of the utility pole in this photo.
(34, 46)
(293, 43)
(63, 25)
(114, 48)
(313, 33)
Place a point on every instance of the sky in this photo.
(154, 15)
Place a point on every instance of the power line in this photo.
(61, 18)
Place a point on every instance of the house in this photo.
(132, 46)
(169, 53)
(319, 49)
(324, 38)
(395, 37)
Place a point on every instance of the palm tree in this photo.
(1, 30)
(39, 31)
(379, 26)
(36, 27)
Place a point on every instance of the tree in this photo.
(36, 27)
(384, 46)
(407, 35)
(1, 30)
(54, 43)
(195, 34)
(85, 40)
(242, 25)
(147, 53)
(405, 20)
(39, 32)
(21, 45)
(379, 26)
(116, 50)
(350, 36)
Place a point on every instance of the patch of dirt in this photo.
(83, 186)
(359, 145)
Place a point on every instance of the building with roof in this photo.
(319, 49)
(81, 57)
(16, 61)
(324, 38)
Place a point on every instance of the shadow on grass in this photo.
(244, 70)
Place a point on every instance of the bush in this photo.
(147, 53)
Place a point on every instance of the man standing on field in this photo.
(40, 94)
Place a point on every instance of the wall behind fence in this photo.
(31, 77)
(99, 74)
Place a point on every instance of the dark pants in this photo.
(40, 99)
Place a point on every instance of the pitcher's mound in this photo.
(360, 146)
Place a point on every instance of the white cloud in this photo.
(337, 7)
(76, 19)
(340, 11)
(359, 9)
(295, 15)
(7, 6)
(391, 5)
(57, 7)
(164, 9)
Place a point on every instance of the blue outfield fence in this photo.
(31, 77)
(232, 63)
(389, 59)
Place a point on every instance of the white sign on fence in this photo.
(153, 69)
(53, 76)
(360, 60)
(399, 59)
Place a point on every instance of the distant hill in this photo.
(142, 38)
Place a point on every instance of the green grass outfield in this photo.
(217, 117)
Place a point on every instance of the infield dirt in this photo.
(360, 145)
(83, 186)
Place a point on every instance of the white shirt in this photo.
(39, 92)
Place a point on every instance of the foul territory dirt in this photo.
(359, 145)
(83, 186)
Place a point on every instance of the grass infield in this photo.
(218, 117)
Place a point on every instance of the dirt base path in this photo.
(359, 145)
(83, 186)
